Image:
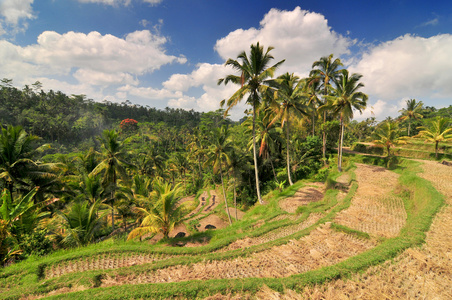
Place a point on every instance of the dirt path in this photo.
(374, 209)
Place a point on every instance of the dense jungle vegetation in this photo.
(73, 170)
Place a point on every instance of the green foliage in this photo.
(82, 221)
(35, 243)
(164, 215)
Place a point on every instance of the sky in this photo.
(171, 53)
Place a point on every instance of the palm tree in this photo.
(218, 153)
(437, 130)
(113, 165)
(254, 71)
(346, 98)
(267, 136)
(311, 89)
(388, 134)
(164, 212)
(411, 112)
(290, 98)
(81, 222)
(325, 70)
(17, 149)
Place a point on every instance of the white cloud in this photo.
(119, 2)
(14, 14)
(299, 36)
(149, 92)
(380, 110)
(409, 66)
(108, 2)
(89, 55)
(432, 22)
(104, 79)
(153, 2)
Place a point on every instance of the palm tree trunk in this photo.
(259, 198)
(287, 152)
(112, 211)
(313, 124)
(436, 150)
(235, 202)
(273, 169)
(324, 140)
(409, 126)
(224, 194)
(340, 146)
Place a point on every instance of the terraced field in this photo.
(373, 220)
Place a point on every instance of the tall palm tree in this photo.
(311, 90)
(411, 112)
(437, 130)
(218, 157)
(267, 136)
(325, 70)
(346, 98)
(388, 134)
(290, 101)
(254, 71)
(113, 165)
(164, 212)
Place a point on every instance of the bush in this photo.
(321, 175)
(35, 243)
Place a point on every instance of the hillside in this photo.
(303, 242)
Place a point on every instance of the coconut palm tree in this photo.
(290, 101)
(388, 134)
(325, 70)
(346, 99)
(254, 70)
(437, 130)
(113, 165)
(218, 157)
(17, 150)
(267, 136)
(411, 112)
(311, 90)
(163, 213)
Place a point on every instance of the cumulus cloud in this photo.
(149, 92)
(14, 15)
(299, 36)
(95, 58)
(409, 66)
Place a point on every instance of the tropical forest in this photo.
(296, 200)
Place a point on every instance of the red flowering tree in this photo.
(129, 125)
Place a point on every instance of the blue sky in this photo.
(171, 52)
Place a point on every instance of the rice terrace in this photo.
(382, 236)
(253, 177)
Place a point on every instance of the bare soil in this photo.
(312, 193)
(321, 248)
(374, 208)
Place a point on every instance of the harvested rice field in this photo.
(275, 257)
